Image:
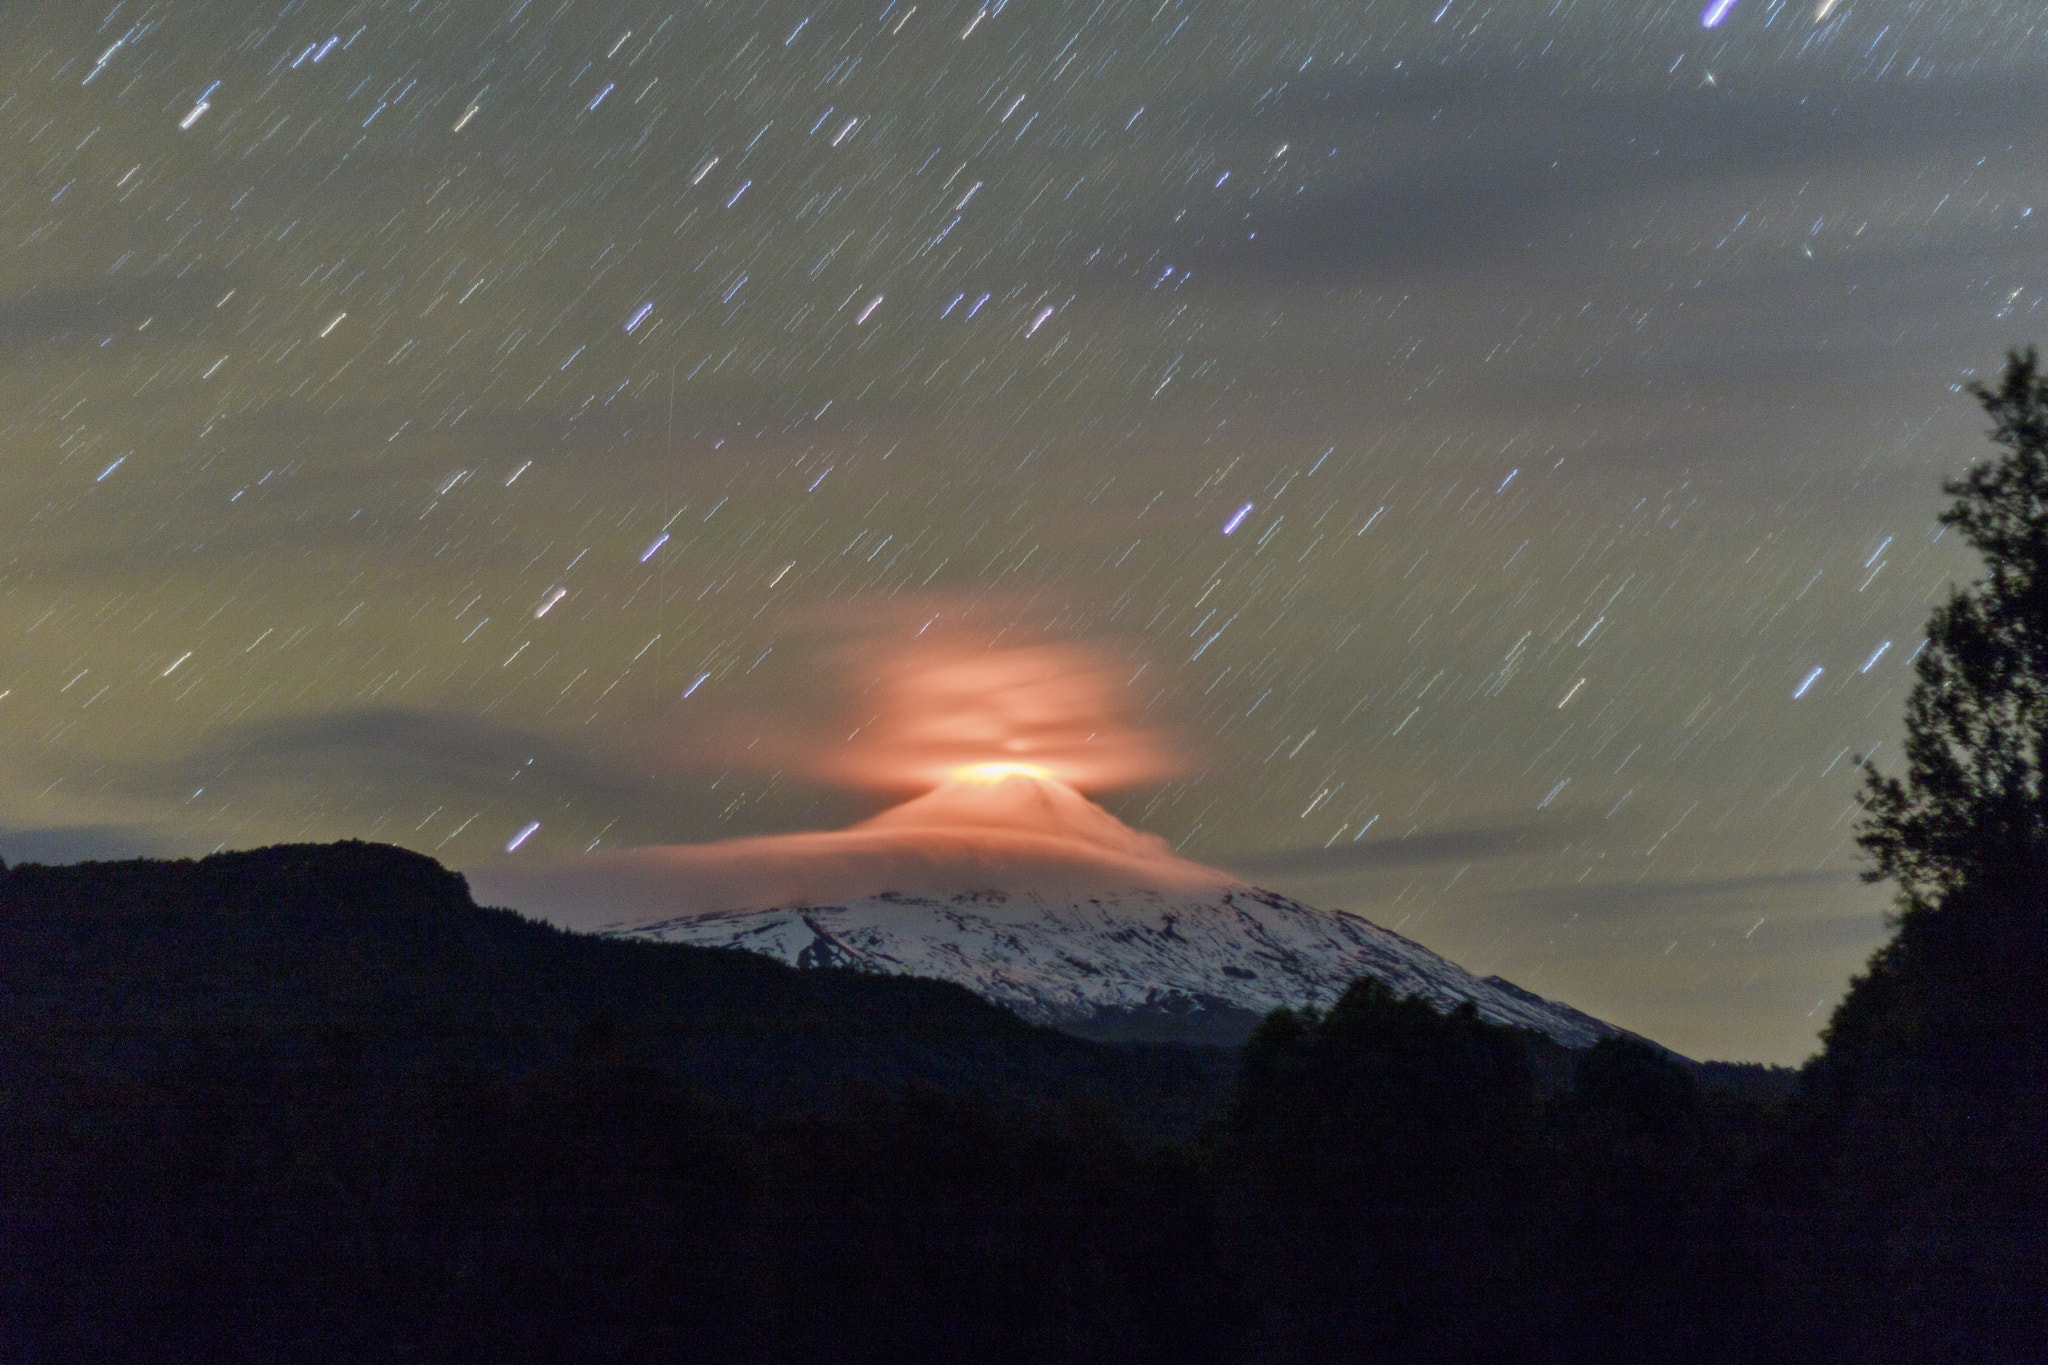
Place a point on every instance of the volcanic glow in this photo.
(955, 722)
(988, 774)
(933, 712)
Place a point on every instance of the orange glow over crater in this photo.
(943, 713)
(988, 774)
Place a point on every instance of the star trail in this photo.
(511, 425)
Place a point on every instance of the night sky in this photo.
(1493, 448)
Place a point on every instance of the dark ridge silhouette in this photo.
(310, 1102)
(262, 960)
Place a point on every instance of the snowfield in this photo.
(1070, 962)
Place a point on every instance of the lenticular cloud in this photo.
(1017, 833)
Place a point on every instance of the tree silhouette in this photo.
(1934, 1068)
(1971, 815)
(1965, 832)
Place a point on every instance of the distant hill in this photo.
(283, 959)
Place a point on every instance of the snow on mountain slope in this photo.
(1015, 885)
(1074, 962)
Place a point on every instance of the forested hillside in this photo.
(311, 1103)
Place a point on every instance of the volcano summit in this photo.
(1017, 886)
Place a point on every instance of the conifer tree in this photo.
(1934, 1066)
(1970, 817)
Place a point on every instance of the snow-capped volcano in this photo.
(1022, 889)
(1125, 962)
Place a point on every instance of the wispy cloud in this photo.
(1019, 835)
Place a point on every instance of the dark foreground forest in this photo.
(311, 1103)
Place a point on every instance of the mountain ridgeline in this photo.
(1128, 940)
(312, 1103)
(1192, 966)
(291, 959)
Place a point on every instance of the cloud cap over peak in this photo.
(1020, 835)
